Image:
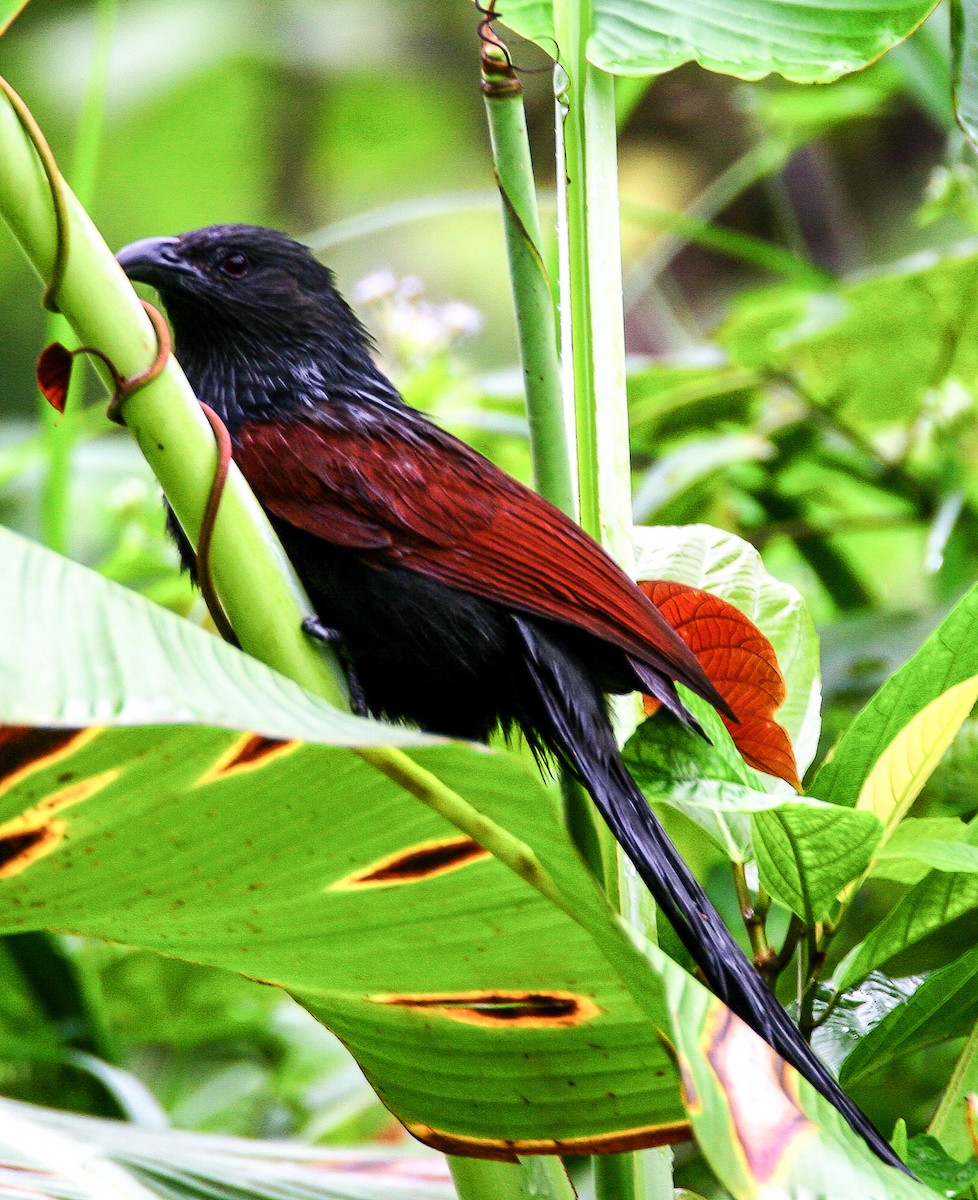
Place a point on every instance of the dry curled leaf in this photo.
(54, 374)
(741, 665)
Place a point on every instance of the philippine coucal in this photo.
(464, 601)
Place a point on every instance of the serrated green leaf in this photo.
(704, 778)
(806, 855)
(941, 898)
(869, 349)
(944, 1006)
(947, 658)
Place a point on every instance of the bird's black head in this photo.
(255, 316)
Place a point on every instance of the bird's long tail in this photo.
(571, 720)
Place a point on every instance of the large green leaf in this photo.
(63, 1156)
(803, 41)
(495, 1010)
(923, 920)
(250, 854)
(84, 655)
(870, 348)
(806, 854)
(948, 658)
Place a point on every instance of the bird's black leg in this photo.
(314, 628)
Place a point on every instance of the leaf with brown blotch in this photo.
(54, 374)
(742, 666)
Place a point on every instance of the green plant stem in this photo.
(103, 310)
(647, 1173)
(529, 1179)
(593, 348)
(478, 1179)
(547, 1179)
(61, 434)
(531, 287)
(753, 916)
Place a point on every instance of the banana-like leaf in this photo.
(493, 1014)
(62, 1156)
(302, 865)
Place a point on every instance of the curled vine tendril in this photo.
(124, 386)
(499, 72)
(56, 184)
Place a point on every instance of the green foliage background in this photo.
(833, 424)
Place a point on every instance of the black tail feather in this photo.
(572, 722)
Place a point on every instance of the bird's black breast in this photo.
(422, 652)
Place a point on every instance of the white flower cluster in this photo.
(415, 327)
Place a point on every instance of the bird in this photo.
(461, 600)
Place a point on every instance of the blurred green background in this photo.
(358, 125)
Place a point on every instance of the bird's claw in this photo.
(314, 628)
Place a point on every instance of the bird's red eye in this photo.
(235, 264)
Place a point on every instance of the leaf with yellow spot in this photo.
(909, 760)
(492, 1018)
(946, 664)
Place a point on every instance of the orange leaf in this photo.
(54, 374)
(741, 665)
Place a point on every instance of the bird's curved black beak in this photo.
(152, 260)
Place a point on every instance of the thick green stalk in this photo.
(634, 1176)
(247, 561)
(530, 1179)
(531, 287)
(593, 347)
(479, 1179)
(60, 436)
(592, 335)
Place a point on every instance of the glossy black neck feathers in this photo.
(259, 326)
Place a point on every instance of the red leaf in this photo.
(54, 374)
(741, 665)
